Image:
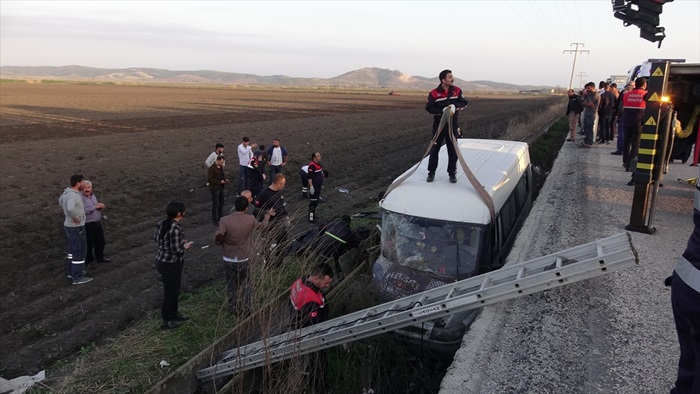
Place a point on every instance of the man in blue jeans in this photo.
(74, 225)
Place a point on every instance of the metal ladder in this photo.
(547, 272)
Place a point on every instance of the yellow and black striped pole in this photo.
(650, 146)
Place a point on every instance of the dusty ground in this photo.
(143, 146)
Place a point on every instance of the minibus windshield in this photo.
(437, 246)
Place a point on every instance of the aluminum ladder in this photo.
(547, 272)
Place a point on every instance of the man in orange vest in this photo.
(306, 296)
(633, 105)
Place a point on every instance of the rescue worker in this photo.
(633, 105)
(685, 300)
(444, 98)
(336, 238)
(315, 182)
(306, 296)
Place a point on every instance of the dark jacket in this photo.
(607, 104)
(438, 99)
(215, 175)
(575, 104)
(336, 238)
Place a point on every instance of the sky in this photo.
(519, 41)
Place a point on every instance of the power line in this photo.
(566, 28)
(575, 28)
(575, 52)
(545, 21)
(579, 19)
(530, 27)
(581, 76)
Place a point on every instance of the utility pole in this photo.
(581, 75)
(576, 52)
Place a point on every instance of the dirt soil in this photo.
(144, 146)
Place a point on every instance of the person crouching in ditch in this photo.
(306, 295)
(170, 260)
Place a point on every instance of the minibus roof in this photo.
(497, 165)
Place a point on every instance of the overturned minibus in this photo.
(437, 233)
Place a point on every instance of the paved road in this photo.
(611, 334)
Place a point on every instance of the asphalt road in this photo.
(611, 334)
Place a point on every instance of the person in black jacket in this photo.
(573, 111)
(444, 98)
(336, 238)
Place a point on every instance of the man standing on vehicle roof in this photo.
(445, 97)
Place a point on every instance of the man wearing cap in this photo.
(446, 98)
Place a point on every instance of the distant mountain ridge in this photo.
(369, 77)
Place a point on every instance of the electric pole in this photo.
(576, 52)
(581, 75)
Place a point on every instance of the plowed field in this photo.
(143, 146)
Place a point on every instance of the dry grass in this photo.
(527, 126)
(129, 363)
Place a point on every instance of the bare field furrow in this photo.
(143, 146)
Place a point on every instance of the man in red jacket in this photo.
(306, 296)
(444, 98)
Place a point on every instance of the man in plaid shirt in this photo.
(170, 260)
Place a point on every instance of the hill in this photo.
(369, 77)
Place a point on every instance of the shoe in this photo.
(82, 280)
(169, 324)
(631, 182)
(616, 153)
(607, 142)
(70, 276)
(571, 140)
(453, 178)
(91, 265)
(104, 261)
(430, 178)
(181, 318)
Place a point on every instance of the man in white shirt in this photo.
(218, 151)
(245, 153)
(278, 158)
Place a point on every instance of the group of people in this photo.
(617, 114)
(83, 228)
(257, 167)
(236, 235)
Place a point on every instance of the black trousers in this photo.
(171, 274)
(444, 138)
(630, 148)
(237, 285)
(313, 199)
(95, 241)
(217, 204)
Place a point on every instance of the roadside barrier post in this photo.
(645, 177)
